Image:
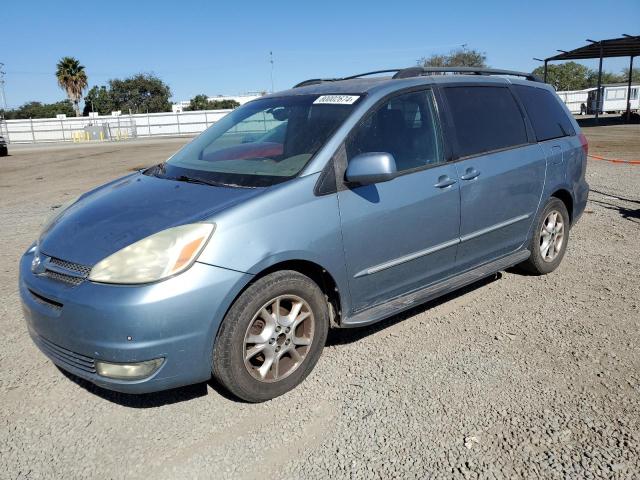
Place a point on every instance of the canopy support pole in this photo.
(629, 90)
(598, 92)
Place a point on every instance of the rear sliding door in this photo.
(501, 172)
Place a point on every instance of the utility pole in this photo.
(3, 97)
(271, 62)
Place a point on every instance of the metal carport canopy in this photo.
(614, 47)
(625, 46)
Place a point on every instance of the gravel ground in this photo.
(517, 376)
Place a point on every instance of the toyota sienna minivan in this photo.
(337, 203)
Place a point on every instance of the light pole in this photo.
(271, 61)
(4, 98)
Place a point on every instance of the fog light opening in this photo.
(128, 371)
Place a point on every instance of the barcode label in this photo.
(337, 99)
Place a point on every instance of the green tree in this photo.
(139, 94)
(566, 76)
(98, 99)
(201, 102)
(72, 79)
(41, 110)
(607, 77)
(635, 75)
(461, 57)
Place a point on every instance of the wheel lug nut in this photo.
(278, 329)
(272, 341)
(287, 330)
(277, 349)
(288, 341)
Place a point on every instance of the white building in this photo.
(241, 99)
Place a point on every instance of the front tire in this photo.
(272, 336)
(549, 240)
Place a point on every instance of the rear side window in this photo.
(547, 116)
(485, 118)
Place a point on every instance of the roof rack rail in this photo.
(419, 71)
(315, 81)
(366, 74)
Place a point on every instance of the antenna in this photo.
(271, 62)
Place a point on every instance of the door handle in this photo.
(444, 181)
(470, 174)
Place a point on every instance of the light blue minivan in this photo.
(337, 203)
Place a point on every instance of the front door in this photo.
(402, 234)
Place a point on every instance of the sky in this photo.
(222, 48)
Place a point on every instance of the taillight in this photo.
(584, 143)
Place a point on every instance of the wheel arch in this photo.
(566, 198)
(316, 272)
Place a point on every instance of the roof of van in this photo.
(364, 84)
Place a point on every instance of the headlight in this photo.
(156, 257)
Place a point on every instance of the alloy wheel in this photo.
(278, 338)
(551, 236)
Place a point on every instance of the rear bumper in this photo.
(176, 319)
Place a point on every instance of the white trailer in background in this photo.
(613, 98)
(576, 100)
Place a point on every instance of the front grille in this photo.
(74, 267)
(67, 272)
(67, 357)
(64, 278)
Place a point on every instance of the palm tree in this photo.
(72, 79)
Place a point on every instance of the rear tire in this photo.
(272, 336)
(549, 239)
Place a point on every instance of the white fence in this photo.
(119, 127)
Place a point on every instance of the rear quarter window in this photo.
(485, 119)
(548, 118)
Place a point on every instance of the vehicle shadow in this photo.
(343, 336)
(336, 337)
(144, 400)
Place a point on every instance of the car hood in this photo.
(122, 212)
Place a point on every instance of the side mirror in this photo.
(371, 167)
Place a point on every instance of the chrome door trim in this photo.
(436, 248)
(492, 228)
(406, 258)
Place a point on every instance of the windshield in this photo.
(264, 142)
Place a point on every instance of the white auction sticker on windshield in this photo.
(337, 99)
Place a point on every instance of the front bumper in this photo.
(176, 319)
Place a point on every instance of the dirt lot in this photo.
(519, 376)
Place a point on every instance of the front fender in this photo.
(287, 222)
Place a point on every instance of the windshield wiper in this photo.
(201, 181)
(160, 172)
